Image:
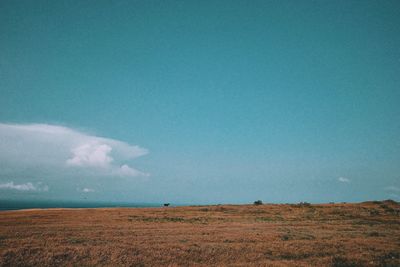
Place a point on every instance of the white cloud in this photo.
(91, 154)
(392, 188)
(24, 187)
(344, 180)
(87, 190)
(57, 149)
(126, 171)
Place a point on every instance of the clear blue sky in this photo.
(234, 101)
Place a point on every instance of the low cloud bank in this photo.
(61, 149)
(24, 187)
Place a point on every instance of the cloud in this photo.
(91, 154)
(57, 149)
(393, 189)
(343, 180)
(24, 187)
(126, 171)
(87, 190)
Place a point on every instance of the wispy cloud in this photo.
(62, 149)
(344, 180)
(126, 171)
(392, 189)
(24, 187)
(395, 196)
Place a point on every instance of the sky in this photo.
(200, 102)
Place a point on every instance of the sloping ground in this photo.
(366, 234)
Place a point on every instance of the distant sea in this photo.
(42, 204)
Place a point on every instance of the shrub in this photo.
(258, 202)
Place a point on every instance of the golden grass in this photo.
(366, 234)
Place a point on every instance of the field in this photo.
(364, 234)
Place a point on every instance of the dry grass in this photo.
(366, 234)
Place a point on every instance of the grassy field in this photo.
(365, 234)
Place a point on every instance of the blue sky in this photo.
(200, 101)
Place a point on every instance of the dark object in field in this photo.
(166, 204)
(258, 202)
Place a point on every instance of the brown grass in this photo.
(366, 234)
